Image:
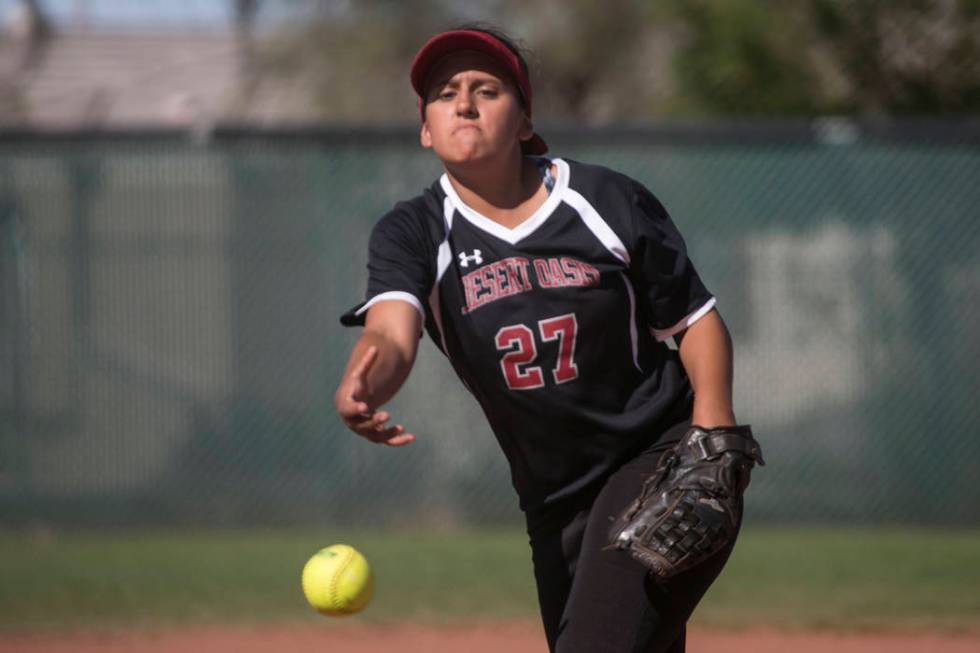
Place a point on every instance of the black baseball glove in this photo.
(690, 508)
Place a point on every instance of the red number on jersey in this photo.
(519, 378)
(513, 364)
(564, 328)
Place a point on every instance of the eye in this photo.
(489, 92)
(446, 94)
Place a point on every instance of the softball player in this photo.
(552, 287)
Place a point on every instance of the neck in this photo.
(502, 190)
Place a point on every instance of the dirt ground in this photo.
(509, 638)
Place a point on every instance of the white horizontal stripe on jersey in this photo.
(691, 318)
(395, 295)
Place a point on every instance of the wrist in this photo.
(712, 416)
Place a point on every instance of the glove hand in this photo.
(690, 508)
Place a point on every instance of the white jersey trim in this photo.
(608, 238)
(597, 225)
(663, 334)
(445, 255)
(524, 229)
(634, 338)
(443, 259)
(394, 295)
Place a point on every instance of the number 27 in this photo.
(516, 363)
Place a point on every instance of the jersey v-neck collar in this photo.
(524, 229)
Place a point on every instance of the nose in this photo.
(465, 105)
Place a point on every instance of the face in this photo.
(473, 111)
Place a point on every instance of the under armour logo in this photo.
(476, 257)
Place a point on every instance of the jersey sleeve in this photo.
(671, 292)
(400, 266)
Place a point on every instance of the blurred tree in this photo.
(622, 60)
(765, 57)
(354, 57)
(588, 57)
(22, 45)
(904, 56)
(742, 56)
(244, 13)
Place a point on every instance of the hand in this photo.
(358, 416)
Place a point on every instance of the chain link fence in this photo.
(169, 341)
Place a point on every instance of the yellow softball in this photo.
(337, 581)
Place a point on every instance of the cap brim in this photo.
(443, 44)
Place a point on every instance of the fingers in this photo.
(364, 423)
(372, 427)
(400, 440)
(393, 437)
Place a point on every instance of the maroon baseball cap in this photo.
(446, 43)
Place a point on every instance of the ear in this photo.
(527, 128)
(425, 136)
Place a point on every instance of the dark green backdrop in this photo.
(169, 340)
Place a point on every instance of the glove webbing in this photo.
(689, 532)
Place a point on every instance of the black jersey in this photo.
(557, 326)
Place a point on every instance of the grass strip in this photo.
(786, 578)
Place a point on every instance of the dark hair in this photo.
(497, 33)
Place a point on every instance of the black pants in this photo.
(602, 601)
